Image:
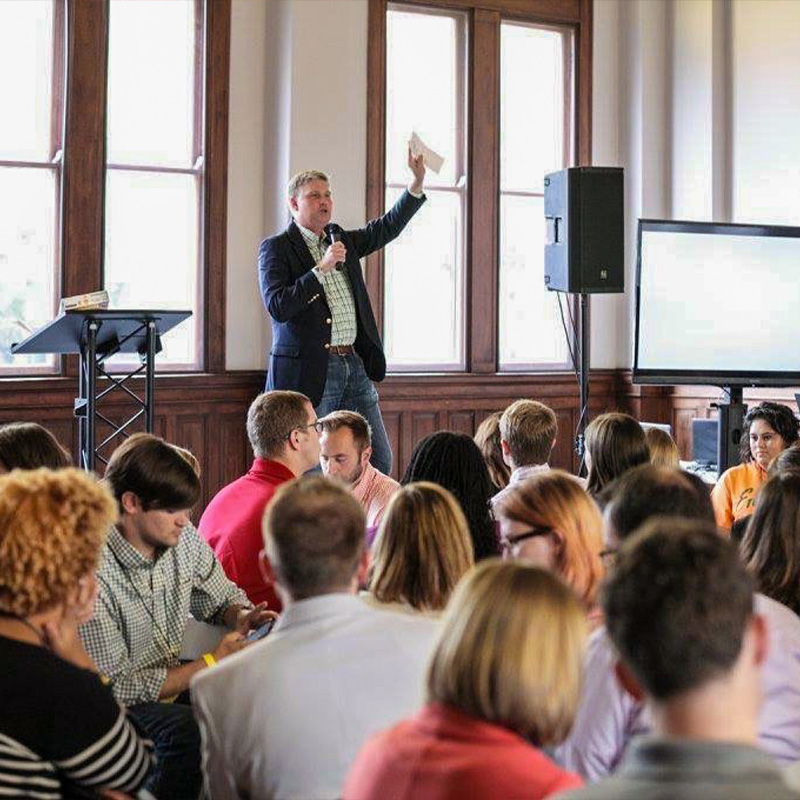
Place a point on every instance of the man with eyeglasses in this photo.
(284, 433)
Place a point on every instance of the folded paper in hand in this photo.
(432, 161)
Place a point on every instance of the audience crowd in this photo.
(488, 627)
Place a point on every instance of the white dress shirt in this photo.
(286, 717)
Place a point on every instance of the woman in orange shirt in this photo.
(503, 684)
(768, 429)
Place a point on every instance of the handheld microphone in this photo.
(335, 233)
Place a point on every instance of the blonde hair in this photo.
(663, 450)
(52, 526)
(422, 549)
(529, 429)
(556, 500)
(299, 180)
(510, 651)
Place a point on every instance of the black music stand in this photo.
(96, 335)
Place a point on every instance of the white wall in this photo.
(697, 99)
(298, 101)
(707, 103)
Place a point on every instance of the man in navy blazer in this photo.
(325, 342)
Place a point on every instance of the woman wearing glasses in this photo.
(549, 520)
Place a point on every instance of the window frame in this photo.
(54, 165)
(461, 134)
(80, 245)
(483, 197)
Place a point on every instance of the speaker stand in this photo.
(729, 432)
(582, 340)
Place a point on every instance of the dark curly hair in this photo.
(779, 417)
(454, 461)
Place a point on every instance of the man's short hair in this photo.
(302, 178)
(648, 491)
(272, 416)
(529, 429)
(154, 471)
(354, 422)
(677, 605)
(314, 536)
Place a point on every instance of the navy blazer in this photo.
(301, 318)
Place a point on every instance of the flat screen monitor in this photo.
(717, 304)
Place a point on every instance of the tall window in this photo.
(535, 138)
(32, 66)
(496, 94)
(424, 272)
(155, 169)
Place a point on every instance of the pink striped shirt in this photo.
(373, 490)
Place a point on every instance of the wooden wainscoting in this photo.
(415, 405)
(204, 413)
(679, 405)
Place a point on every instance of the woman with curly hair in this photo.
(60, 727)
(454, 461)
(769, 429)
(548, 520)
(422, 549)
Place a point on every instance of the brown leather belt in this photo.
(341, 349)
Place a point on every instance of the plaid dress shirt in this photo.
(142, 607)
(337, 292)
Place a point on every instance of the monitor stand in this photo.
(731, 425)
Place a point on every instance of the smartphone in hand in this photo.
(260, 632)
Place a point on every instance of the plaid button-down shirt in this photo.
(337, 290)
(142, 607)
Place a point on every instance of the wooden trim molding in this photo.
(218, 58)
(83, 195)
(376, 151)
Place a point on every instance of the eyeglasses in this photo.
(318, 426)
(508, 543)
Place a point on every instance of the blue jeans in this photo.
(176, 737)
(347, 387)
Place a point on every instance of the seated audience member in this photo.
(550, 521)
(614, 443)
(26, 445)
(503, 684)
(608, 716)
(155, 570)
(287, 717)
(771, 544)
(60, 727)
(527, 437)
(487, 437)
(768, 429)
(345, 448)
(422, 550)
(662, 447)
(680, 612)
(454, 462)
(284, 434)
(787, 460)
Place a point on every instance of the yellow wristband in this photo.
(209, 659)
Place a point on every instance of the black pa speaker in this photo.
(583, 211)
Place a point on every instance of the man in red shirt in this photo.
(284, 433)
